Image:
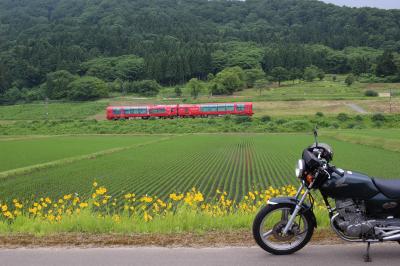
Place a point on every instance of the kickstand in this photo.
(367, 258)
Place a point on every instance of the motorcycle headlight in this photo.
(300, 168)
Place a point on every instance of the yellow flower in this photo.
(147, 217)
(8, 215)
(4, 208)
(48, 200)
(95, 184)
(128, 196)
(146, 199)
(101, 191)
(67, 197)
(83, 205)
(176, 197)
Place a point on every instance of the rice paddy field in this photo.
(160, 165)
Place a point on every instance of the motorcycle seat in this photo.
(390, 188)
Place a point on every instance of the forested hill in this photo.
(38, 37)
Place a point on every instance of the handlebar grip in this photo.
(338, 172)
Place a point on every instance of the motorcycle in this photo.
(365, 209)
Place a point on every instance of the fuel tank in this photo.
(351, 185)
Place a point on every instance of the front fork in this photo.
(297, 208)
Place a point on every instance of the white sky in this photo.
(387, 4)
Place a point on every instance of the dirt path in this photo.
(357, 108)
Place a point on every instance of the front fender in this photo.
(305, 208)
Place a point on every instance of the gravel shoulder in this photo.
(242, 238)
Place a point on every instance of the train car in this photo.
(179, 110)
(215, 109)
(163, 111)
(143, 112)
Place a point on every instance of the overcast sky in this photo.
(387, 4)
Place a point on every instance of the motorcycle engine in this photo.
(352, 220)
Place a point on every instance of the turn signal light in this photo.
(309, 179)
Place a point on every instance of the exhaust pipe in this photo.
(392, 238)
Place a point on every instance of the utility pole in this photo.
(390, 100)
(46, 106)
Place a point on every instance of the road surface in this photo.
(312, 255)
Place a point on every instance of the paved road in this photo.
(349, 254)
(357, 108)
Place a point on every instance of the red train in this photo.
(179, 110)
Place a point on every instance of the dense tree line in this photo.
(172, 41)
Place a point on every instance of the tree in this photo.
(321, 74)
(12, 95)
(349, 80)
(311, 73)
(295, 73)
(87, 88)
(261, 84)
(279, 74)
(385, 65)
(126, 68)
(195, 87)
(57, 84)
(129, 67)
(229, 80)
(253, 74)
(178, 91)
(144, 87)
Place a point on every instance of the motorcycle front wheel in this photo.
(269, 224)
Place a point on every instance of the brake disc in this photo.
(278, 228)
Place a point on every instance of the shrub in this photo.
(144, 87)
(299, 125)
(281, 121)
(265, 118)
(242, 119)
(342, 117)
(57, 84)
(370, 93)
(378, 117)
(87, 88)
(227, 117)
(319, 114)
(350, 80)
(311, 73)
(358, 118)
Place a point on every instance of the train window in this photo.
(157, 111)
(230, 107)
(213, 108)
(240, 107)
(116, 111)
(128, 111)
(142, 111)
(221, 108)
(205, 108)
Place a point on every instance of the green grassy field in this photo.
(23, 152)
(235, 163)
(41, 111)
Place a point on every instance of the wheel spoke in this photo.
(267, 234)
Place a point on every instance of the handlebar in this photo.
(336, 171)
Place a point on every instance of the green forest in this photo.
(83, 50)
